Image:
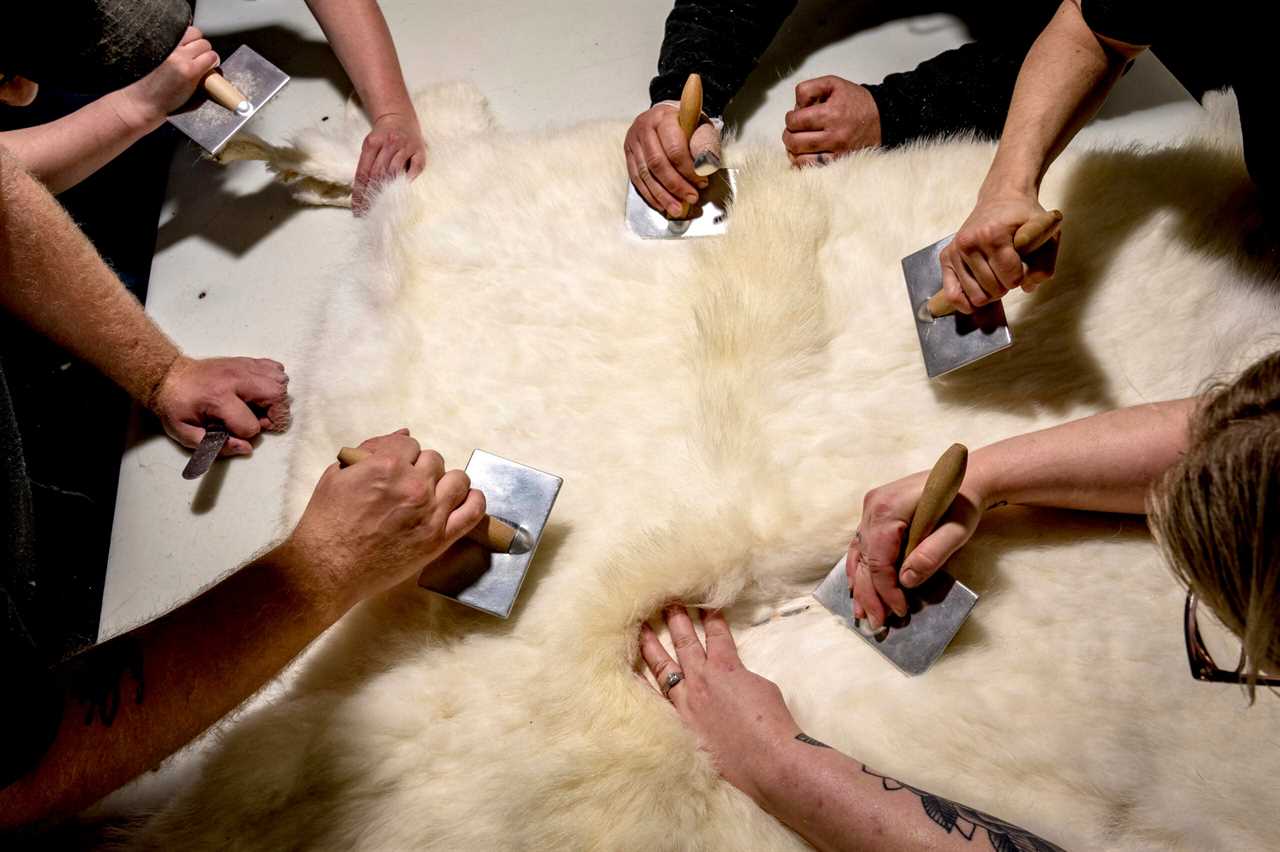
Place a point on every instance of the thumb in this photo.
(704, 147)
(811, 91)
(932, 553)
(240, 421)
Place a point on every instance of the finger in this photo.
(1041, 264)
(973, 292)
(638, 182)
(655, 656)
(397, 446)
(381, 172)
(985, 277)
(689, 651)
(465, 517)
(194, 48)
(653, 193)
(260, 388)
(865, 594)
(676, 149)
(804, 161)
(704, 147)
(660, 168)
(360, 186)
(186, 434)
(451, 490)
(806, 119)
(204, 63)
(881, 546)
(951, 286)
(235, 414)
(431, 463)
(1007, 267)
(811, 91)
(934, 550)
(417, 163)
(720, 645)
(192, 34)
(235, 447)
(398, 163)
(812, 142)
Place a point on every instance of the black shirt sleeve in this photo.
(1130, 21)
(720, 40)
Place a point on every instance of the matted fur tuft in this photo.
(718, 409)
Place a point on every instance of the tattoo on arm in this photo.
(808, 740)
(965, 821)
(96, 677)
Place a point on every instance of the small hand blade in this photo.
(215, 437)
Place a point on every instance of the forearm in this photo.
(1064, 79)
(722, 41)
(64, 152)
(358, 33)
(837, 803)
(53, 280)
(1103, 463)
(134, 700)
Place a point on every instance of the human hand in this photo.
(661, 163)
(872, 563)
(373, 524)
(247, 395)
(832, 118)
(174, 81)
(737, 715)
(393, 147)
(980, 265)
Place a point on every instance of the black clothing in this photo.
(962, 90)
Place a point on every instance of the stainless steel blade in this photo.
(517, 494)
(215, 437)
(710, 218)
(210, 125)
(957, 340)
(936, 611)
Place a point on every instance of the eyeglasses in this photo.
(1202, 665)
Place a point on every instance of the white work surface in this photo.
(238, 264)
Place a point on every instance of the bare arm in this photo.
(1103, 463)
(830, 799)
(359, 35)
(64, 152)
(1065, 78)
(134, 700)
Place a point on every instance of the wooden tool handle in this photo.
(690, 106)
(1033, 234)
(222, 91)
(940, 490)
(492, 533)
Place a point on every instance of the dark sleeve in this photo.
(1130, 21)
(965, 90)
(720, 40)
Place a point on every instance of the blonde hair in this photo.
(1216, 513)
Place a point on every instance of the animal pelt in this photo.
(718, 408)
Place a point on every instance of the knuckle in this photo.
(685, 642)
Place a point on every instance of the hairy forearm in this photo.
(1063, 81)
(53, 280)
(64, 152)
(134, 700)
(837, 803)
(1103, 463)
(358, 33)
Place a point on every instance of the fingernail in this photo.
(873, 621)
(691, 197)
(910, 578)
(674, 210)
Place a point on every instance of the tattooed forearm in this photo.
(96, 678)
(965, 821)
(808, 740)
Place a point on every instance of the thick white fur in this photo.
(717, 409)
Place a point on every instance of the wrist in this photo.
(784, 769)
(135, 112)
(310, 581)
(983, 480)
(152, 398)
(1009, 184)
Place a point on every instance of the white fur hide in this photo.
(717, 409)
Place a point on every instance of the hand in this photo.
(832, 118)
(980, 265)
(393, 147)
(737, 715)
(660, 161)
(247, 394)
(370, 526)
(173, 83)
(872, 562)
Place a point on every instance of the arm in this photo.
(359, 35)
(1066, 76)
(1103, 463)
(828, 798)
(52, 279)
(132, 701)
(720, 41)
(64, 152)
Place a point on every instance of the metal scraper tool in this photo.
(486, 569)
(950, 340)
(937, 607)
(215, 438)
(710, 216)
(235, 92)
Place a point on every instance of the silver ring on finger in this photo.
(670, 681)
